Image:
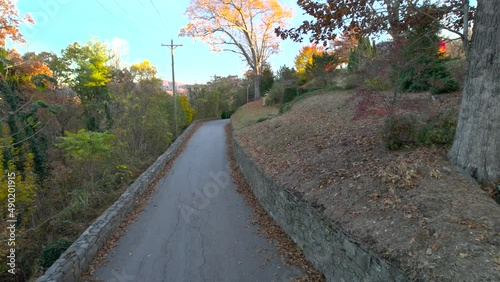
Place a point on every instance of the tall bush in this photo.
(418, 63)
(321, 67)
(87, 149)
(361, 55)
(187, 110)
(274, 95)
(404, 130)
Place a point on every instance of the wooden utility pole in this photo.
(172, 47)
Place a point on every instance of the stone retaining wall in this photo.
(75, 260)
(336, 255)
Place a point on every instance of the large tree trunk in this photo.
(257, 86)
(476, 147)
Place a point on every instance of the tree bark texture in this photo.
(476, 147)
(257, 86)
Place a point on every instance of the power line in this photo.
(109, 12)
(162, 26)
(156, 8)
(106, 9)
(121, 8)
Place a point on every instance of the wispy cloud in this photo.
(120, 49)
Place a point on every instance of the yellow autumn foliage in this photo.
(188, 110)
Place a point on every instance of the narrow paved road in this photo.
(196, 227)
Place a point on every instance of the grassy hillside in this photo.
(409, 205)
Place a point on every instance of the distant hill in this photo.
(181, 87)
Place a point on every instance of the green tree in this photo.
(266, 78)
(418, 66)
(187, 109)
(26, 188)
(88, 148)
(321, 66)
(305, 58)
(286, 76)
(361, 55)
(145, 114)
(19, 107)
(88, 75)
(221, 94)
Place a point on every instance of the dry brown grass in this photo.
(254, 112)
(289, 252)
(406, 205)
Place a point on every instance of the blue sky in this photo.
(138, 29)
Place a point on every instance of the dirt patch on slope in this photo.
(410, 207)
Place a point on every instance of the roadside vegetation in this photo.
(376, 168)
(76, 130)
(364, 140)
(363, 126)
(408, 205)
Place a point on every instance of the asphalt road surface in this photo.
(196, 226)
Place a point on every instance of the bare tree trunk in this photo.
(393, 18)
(257, 86)
(476, 147)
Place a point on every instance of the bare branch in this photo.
(248, 26)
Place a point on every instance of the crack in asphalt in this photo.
(202, 253)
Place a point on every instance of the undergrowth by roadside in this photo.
(132, 216)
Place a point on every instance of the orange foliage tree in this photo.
(345, 43)
(27, 66)
(305, 58)
(245, 27)
(10, 21)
